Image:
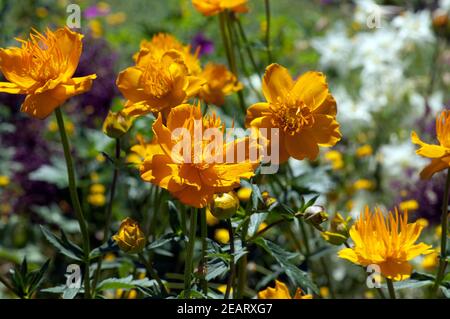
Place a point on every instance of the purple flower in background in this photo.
(205, 45)
(96, 11)
(94, 104)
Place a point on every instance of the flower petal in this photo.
(302, 145)
(276, 82)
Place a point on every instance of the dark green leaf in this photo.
(70, 250)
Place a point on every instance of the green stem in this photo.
(268, 46)
(203, 264)
(190, 254)
(75, 200)
(444, 225)
(247, 47)
(305, 239)
(230, 282)
(242, 266)
(391, 289)
(153, 273)
(106, 231)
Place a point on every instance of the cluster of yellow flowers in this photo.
(164, 80)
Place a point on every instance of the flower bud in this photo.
(130, 237)
(116, 124)
(224, 205)
(338, 232)
(315, 215)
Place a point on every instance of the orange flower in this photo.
(304, 111)
(163, 42)
(42, 68)
(220, 82)
(388, 242)
(157, 84)
(195, 174)
(439, 154)
(213, 7)
(281, 291)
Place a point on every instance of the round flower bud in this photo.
(224, 205)
(116, 124)
(130, 238)
(315, 215)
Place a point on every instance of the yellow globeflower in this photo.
(281, 291)
(222, 236)
(303, 110)
(363, 184)
(213, 7)
(388, 242)
(439, 154)
(42, 69)
(409, 205)
(244, 194)
(130, 237)
(96, 199)
(220, 82)
(157, 85)
(196, 175)
(335, 158)
(162, 43)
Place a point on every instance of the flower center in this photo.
(291, 115)
(157, 80)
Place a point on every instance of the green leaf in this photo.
(410, 284)
(298, 277)
(107, 247)
(256, 197)
(63, 245)
(255, 221)
(174, 218)
(70, 293)
(125, 283)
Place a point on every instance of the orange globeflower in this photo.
(281, 291)
(157, 85)
(304, 111)
(439, 154)
(213, 7)
(388, 242)
(42, 68)
(201, 169)
(220, 82)
(163, 42)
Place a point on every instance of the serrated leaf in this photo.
(70, 293)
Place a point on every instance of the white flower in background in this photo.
(435, 102)
(334, 48)
(398, 156)
(254, 81)
(351, 112)
(414, 27)
(444, 4)
(365, 9)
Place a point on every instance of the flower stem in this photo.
(153, 273)
(203, 265)
(444, 225)
(391, 289)
(232, 264)
(242, 266)
(106, 232)
(75, 200)
(190, 254)
(247, 47)
(268, 46)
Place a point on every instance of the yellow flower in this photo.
(213, 7)
(116, 18)
(304, 111)
(96, 199)
(335, 158)
(4, 180)
(281, 291)
(363, 184)
(324, 292)
(388, 242)
(96, 28)
(409, 205)
(222, 235)
(262, 226)
(439, 154)
(244, 194)
(363, 151)
(41, 12)
(220, 82)
(130, 237)
(423, 222)
(97, 189)
(430, 261)
(42, 68)
(211, 220)
(162, 43)
(157, 85)
(195, 176)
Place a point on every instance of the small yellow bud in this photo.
(338, 232)
(244, 194)
(222, 235)
(116, 124)
(130, 237)
(315, 215)
(4, 181)
(224, 205)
